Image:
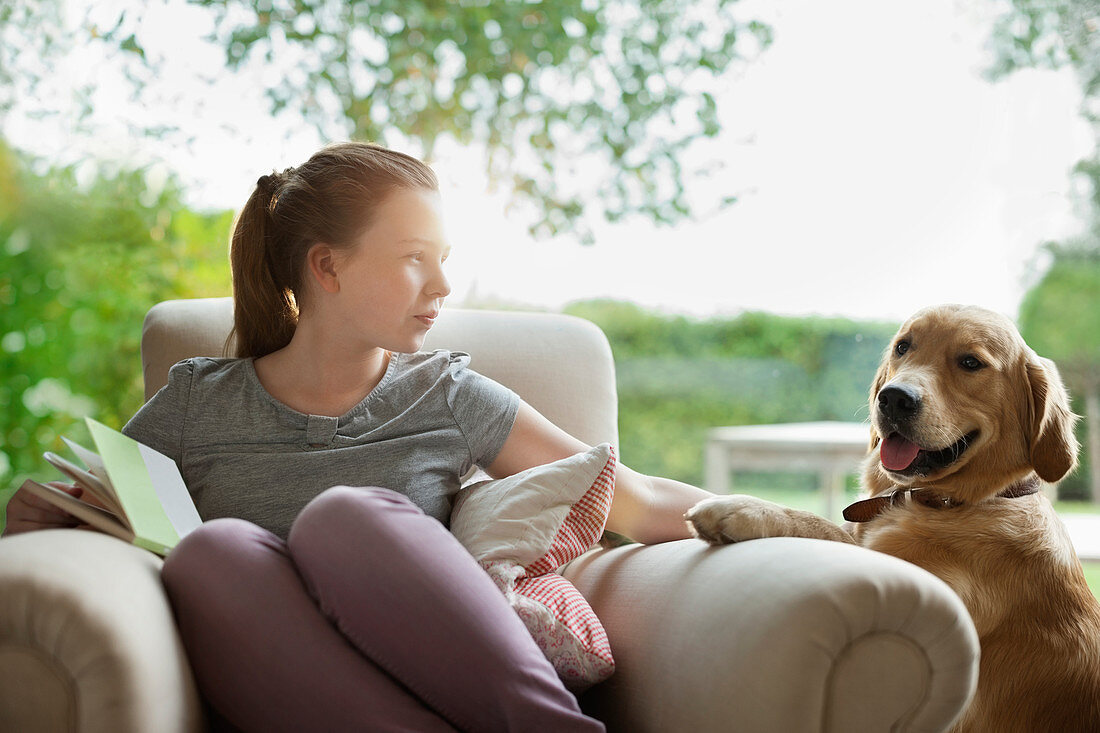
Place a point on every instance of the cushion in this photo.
(521, 529)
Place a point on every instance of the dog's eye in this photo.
(970, 363)
(901, 347)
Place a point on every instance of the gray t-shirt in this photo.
(244, 454)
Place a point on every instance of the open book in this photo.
(145, 499)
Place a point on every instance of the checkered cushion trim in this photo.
(582, 526)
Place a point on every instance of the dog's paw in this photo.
(736, 518)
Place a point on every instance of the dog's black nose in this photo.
(898, 402)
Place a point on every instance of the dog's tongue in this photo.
(897, 453)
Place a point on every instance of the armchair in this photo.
(772, 635)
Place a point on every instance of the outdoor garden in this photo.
(88, 244)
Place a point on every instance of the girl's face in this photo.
(391, 282)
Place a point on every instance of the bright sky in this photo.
(877, 171)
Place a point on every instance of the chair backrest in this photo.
(561, 365)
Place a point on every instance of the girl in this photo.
(305, 607)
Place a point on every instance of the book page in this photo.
(173, 493)
(133, 484)
(86, 480)
(88, 458)
(93, 515)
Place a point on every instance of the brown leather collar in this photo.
(868, 509)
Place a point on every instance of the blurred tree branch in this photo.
(1060, 318)
(1060, 315)
(1052, 34)
(585, 108)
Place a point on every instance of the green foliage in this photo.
(29, 29)
(629, 84)
(1060, 316)
(1052, 34)
(79, 267)
(1048, 34)
(1060, 319)
(552, 90)
(678, 377)
(637, 332)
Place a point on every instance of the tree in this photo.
(1060, 319)
(79, 267)
(583, 107)
(1051, 34)
(1060, 316)
(1048, 34)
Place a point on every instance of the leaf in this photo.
(131, 45)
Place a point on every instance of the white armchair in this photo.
(772, 635)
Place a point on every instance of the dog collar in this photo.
(868, 509)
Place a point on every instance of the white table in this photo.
(830, 449)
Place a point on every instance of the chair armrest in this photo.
(87, 638)
(779, 634)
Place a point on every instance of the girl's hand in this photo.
(27, 512)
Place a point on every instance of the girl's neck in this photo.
(320, 375)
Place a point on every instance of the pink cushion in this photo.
(522, 529)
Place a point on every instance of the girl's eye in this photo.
(901, 347)
(970, 363)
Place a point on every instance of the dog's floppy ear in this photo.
(1053, 442)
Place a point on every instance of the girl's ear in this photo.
(321, 264)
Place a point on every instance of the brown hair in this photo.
(331, 198)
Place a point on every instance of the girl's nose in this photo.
(440, 286)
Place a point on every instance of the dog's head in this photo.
(961, 404)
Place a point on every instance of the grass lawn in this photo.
(1092, 576)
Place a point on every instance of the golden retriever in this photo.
(965, 422)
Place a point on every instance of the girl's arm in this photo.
(644, 508)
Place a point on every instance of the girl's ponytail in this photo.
(265, 313)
